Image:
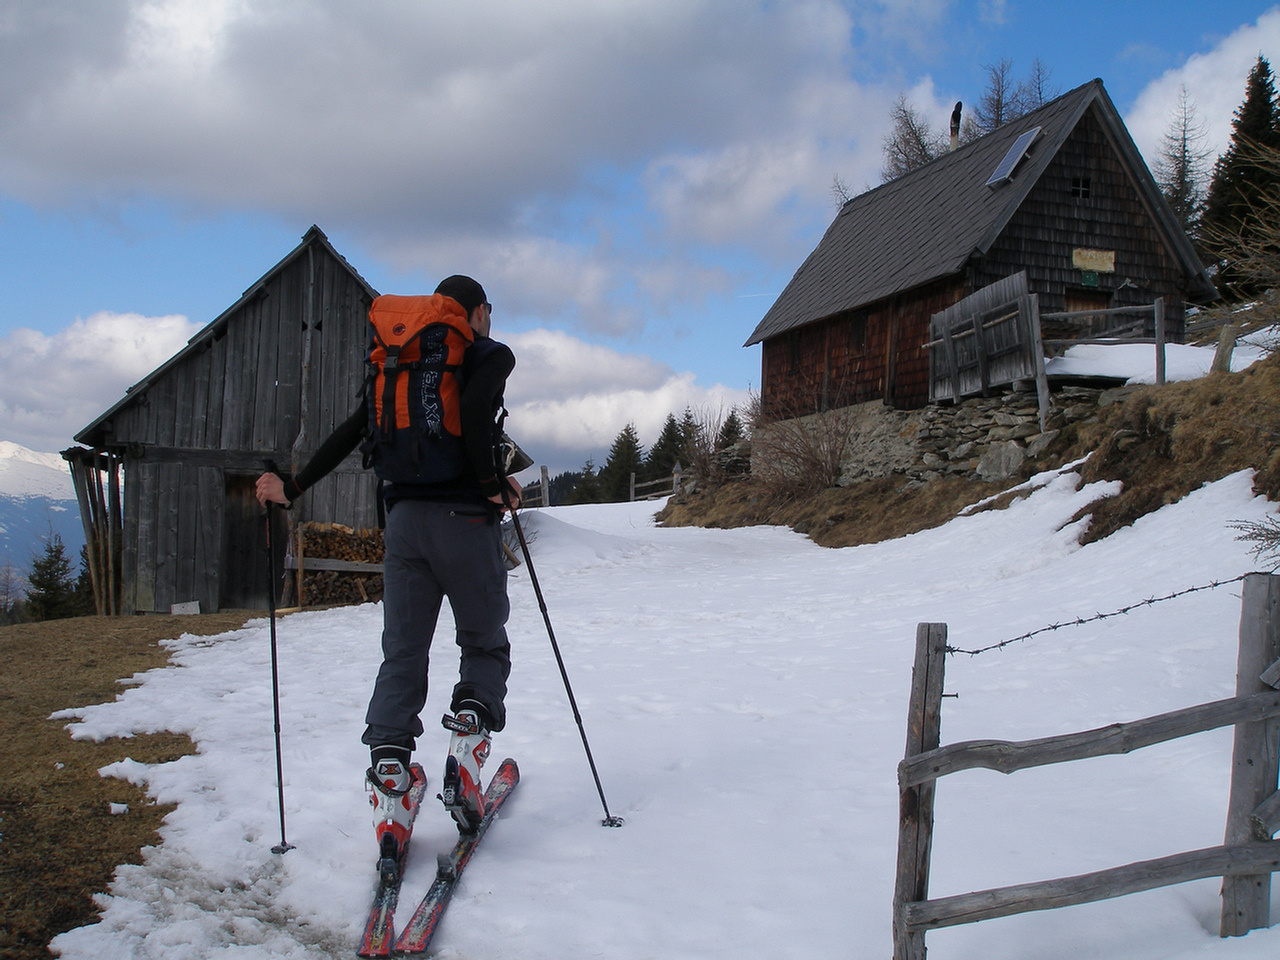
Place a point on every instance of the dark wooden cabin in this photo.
(269, 379)
(1072, 203)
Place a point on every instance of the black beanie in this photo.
(463, 289)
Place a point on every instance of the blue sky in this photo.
(633, 181)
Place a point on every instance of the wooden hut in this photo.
(1061, 193)
(269, 379)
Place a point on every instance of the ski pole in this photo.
(283, 846)
(609, 820)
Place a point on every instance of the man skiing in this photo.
(444, 498)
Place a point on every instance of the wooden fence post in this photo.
(915, 811)
(1043, 400)
(1246, 901)
(1160, 339)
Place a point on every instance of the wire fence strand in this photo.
(1081, 621)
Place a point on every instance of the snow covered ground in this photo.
(1137, 362)
(745, 694)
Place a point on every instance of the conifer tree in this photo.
(1181, 164)
(51, 588)
(731, 431)
(560, 487)
(587, 489)
(1240, 184)
(690, 430)
(625, 458)
(666, 452)
(10, 593)
(1005, 99)
(911, 143)
(82, 598)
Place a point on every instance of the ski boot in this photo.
(390, 781)
(468, 750)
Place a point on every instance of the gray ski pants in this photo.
(433, 551)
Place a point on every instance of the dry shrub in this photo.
(702, 426)
(799, 455)
(1264, 537)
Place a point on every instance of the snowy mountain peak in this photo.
(27, 473)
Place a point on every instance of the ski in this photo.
(378, 932)
(418, 932)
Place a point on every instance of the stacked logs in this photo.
(333, 541)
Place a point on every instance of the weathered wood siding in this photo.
(1052, 222)
(848, 358)
(826, 364)
(197, 433)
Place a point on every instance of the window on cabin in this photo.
(857, 328)
(1080, 187)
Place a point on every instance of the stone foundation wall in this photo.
(986, 438)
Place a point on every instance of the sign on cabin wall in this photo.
(1093, 261)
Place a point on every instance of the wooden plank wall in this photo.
(998, 352)
(239, 391)
(339, 344)
(848, 358)
(1051, 223)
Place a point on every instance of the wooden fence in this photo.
(1118, 325)
(656, 489)
(537, 494)
(1245, 861)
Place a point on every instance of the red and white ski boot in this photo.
(390, 782)
(462, 794)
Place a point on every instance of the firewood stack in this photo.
(333, 541)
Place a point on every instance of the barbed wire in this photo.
(1081, 621)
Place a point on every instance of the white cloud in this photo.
(570, 399)
(386, 110)
(1215, 83)
(51, 387)
(427, 129)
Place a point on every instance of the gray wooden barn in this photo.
(268, 379)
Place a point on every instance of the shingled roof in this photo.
(928, 223)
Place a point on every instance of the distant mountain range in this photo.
(36, 499)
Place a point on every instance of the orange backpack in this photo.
(414, 388)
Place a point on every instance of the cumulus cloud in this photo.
(569, 399)
(503, 126)
(384, 110)
(52, 386)
(1215, 82)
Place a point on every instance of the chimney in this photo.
(955, 125)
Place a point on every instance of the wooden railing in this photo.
(537, 494)
(656, 489)
(1116, 329)
(1246, 859)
